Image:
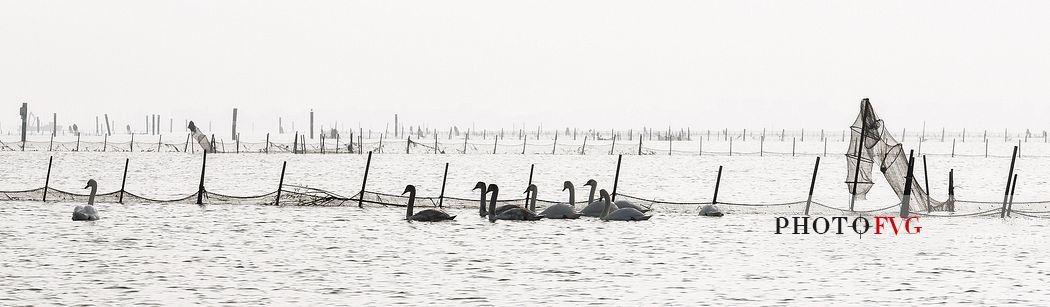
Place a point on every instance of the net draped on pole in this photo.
(879, 146)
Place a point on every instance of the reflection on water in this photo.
(182, 254)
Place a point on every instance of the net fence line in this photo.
(472, 146)
(294, 195)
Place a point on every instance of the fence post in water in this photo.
(527, 195)
(555, 149)
(295, 143)
(280, 185)
(444, 178)
(47, 180)
(132, 146)
(953, 148)
(613, 148)
(616, 179)
(200, 189)
(186, 146)
(408, 145)
(812, 184)
(583, 149)
(78, 142)
(495, 141)
(701, 151)
(123, 180)
(639, 145)
(51, 142)
(762, 146)
(361, 197)
(1009, 180)
(670, 146)
(951, 190)
(1013, 188)
(523, 143)
(718, 182)
(926, 178)
(105, 142)
(160, 137)
(465, 137)
(906, 202)
(266, 148)
(237, 143)
(730, 147)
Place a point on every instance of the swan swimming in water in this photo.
(513, 214)
(559, 211)
(87, 213)
(594, 208)
(428, 215)
(711, 210)
(627, 204)
(481, 186)
(625, 214)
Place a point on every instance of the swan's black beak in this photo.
(87, 186)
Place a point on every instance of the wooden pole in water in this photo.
(266, 148)
(951, 190)
(762, 146)
(132, 146)
(613, 148)
(1013, 188)
(200, 189)
(465, 137)
(160, 137)
(105, 142)
(616, 179)
(639, 145)
(953, 148)
(583, 149)
(47, 180)
(444, 178)
(280, 185)
(408, 145)
(670, 146)
(718, 182)
(730, 147)
(295, 143)
(906, 202)
(51, 143)
(555, 149)
(860, 148)
(812, 184)
(531, 168)
(523, 143)
(123, 180)
(1009, 181)
(237, 143)
(78, 142)
(926, 178)
(495, 141)
(361, 196)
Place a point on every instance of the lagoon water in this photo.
(253, 254)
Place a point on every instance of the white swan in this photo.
(711, 210)
(513, 214)
(87, 213)
(627, 204)
(594, 208)
(428, 215)
(484, 190)
(559, 211)
(625, 214)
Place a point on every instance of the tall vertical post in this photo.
(1009, 180)
(444, 178)
(926, 179)
(860, 149)
(123, 180)
(233, 133)
(280, 185)
(295, 143)
(527, 196)
(1013, 188)
(47, 180)
(160, 137)
(395, 126)
(54, 125)
(408, 145)
(524, 143)
(718, 182)
(24, 112)
(361, 196)
(555, 149)
(953, 148)
(311, 125)
(78, 142)
(200, 188)
(267, 148)
(951, 190)
(639, 144)
(762, 146)
(908, 179)
(616, 179)
(108, 131)
(812, 184)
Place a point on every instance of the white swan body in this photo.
(87, 212)
(623, 204)
(626, 214)
(594, 207)
(560, 211)
(711, 210)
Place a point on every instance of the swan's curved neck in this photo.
(605, 210)
(590, 199)
(572, 196)
(481, 209)
(532, 204)
(411, 203)
(492, 204)
(91, 198)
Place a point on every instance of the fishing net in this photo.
(870, 142)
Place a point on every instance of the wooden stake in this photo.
(1013, 188)
(812, 184)
(200, 189)
(444, 178)
(280, 185)
(616, 179)
(718, 182)
(123, 180)
(361, 197)
(47, 180)
(1009, 181)
(906, 202)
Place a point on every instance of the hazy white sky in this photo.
(704, 64)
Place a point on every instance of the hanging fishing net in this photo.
(871, 142)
